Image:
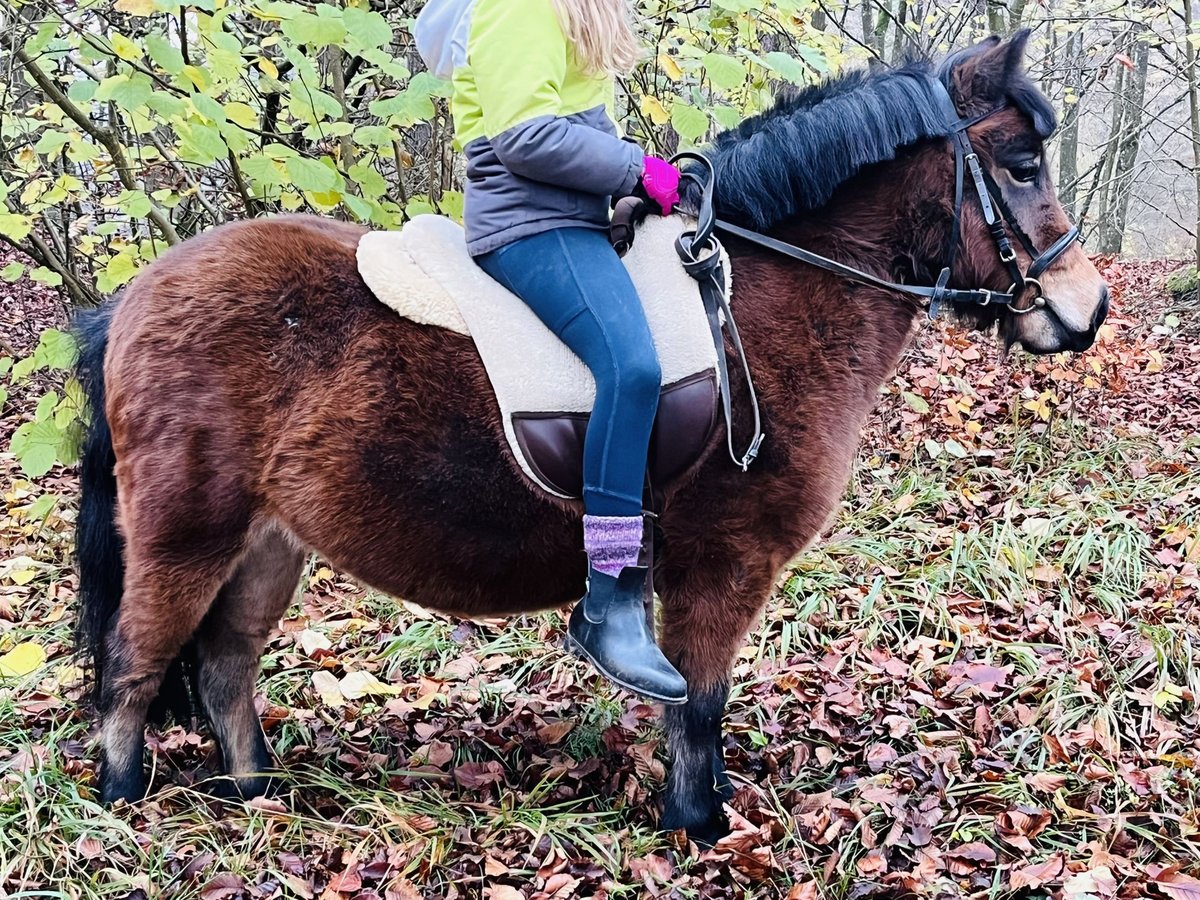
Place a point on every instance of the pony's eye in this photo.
(1025, 172)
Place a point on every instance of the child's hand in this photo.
(660, 180)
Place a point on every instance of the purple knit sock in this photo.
(612, 542)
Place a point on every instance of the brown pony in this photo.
(253, 402)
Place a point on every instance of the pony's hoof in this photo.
(705, 832)
(707, 835)
(227, 787)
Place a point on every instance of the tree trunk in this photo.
(868, 29)
(901, 38)
(1189, 50)
(1068, 144)
(1103, 178)
(1112, 227)
(1016, 13)
(995, 16)
(881, 28)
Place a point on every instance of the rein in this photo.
(700, 252)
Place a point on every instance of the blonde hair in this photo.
(602, 33)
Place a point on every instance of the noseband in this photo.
(991, 199)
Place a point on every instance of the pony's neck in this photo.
(891, 220)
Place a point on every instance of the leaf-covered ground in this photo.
(981, 683)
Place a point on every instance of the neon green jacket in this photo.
(542, 150)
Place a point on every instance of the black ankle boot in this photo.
(609, 628)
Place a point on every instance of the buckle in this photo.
(987, 297)
(1038, 301)
(1012, 254)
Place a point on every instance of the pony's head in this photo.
(1010, 146)
(867, 157)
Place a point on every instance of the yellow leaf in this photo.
(324, 200)
(267, 67)
(125, 48)
(241, 114)
(21, 660)
(655, 110)
(670, 67)
(327, 687)
(197, 77)
(20, 570)
(136, 7)
(363, 684)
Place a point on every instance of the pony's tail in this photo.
(98, 544)
(99, 549)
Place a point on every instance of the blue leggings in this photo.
(574, 281)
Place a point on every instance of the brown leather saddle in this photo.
(552, 443)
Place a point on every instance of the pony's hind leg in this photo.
(229, 645)
(161, 608)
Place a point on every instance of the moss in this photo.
(1184, 283)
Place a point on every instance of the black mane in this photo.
(791, 158)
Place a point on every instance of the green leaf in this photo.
(724, 71)
(55, 350)
(262, 171)
(118, 270)
(41, 507)
(42, 275)
(15, 225)
(134, 203)
(164, 53)
(81, 151)
(200, 143)
(23, 368)
(369, 181)
(51, 141)
(406, 108)
(786, 67)
(727, 117)
(316, 31)
(35, 445)
(127, 90)
(311, 175)
(45, 406)
(361, 208)
(451, 204)
(379, 136)
(367, 29)
(418, 206)
(12, 271)
(690, 122)
(209, 108)
(916, 402)
(814, 58)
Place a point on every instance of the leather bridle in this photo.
(700, 252)
(996, 213)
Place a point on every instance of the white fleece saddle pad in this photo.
(424, 273)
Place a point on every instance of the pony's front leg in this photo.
(707, 610)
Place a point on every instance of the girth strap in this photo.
(700, 253)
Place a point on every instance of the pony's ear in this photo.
(985, 72)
